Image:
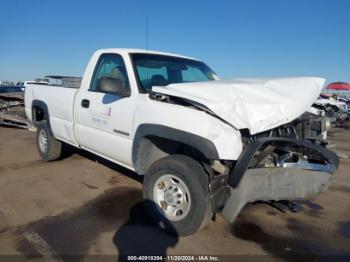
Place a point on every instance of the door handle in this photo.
(85, 103)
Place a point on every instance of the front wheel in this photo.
(176, 194)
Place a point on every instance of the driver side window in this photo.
(110, 66)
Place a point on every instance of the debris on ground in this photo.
(12, 112)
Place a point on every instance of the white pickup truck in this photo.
(205, 146)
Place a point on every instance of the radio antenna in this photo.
(147, 33)
(147, 70)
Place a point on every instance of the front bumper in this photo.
(275, 184)
(286, 182)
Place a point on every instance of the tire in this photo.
(190, 176)
(53, 149)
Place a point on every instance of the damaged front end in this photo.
(12, 111)
(279, 165)
(284, 153)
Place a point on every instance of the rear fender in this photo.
(43, 106)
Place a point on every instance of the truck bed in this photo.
(66, 81)
(60, 103)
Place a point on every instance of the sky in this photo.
(237, 39)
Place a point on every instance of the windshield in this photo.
(162, 70)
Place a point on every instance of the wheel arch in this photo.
(153, 141)
(40, 113)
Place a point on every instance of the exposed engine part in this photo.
(311, 127)
(287, 150)
(308, 126)
(282, 159)
(217, 166)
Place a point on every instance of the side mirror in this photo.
(112, 85)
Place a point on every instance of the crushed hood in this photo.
(256, 104)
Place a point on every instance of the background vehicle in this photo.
(205, 146)
(336, 111)
(23, 84)
(12, 107)
(10, 89)
(6, 83)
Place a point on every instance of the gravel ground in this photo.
(84, 205)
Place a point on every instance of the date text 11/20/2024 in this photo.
(173, 258)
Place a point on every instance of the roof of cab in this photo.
(133, 51)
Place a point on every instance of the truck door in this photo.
(104, 120)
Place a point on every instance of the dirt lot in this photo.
(85, 205)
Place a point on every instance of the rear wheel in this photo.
(49, 148)
(176, 194)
